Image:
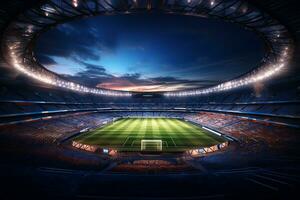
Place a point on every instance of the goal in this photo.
(151, 145)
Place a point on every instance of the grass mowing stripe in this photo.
(187, 126)
(163, 125)
(119, 126)
(152, 128)
(125, 132)
(142, 129)
(106, 130)
(84, 138)
(132, 128)
(112, 125)
(145, 126)
(117, 137)
(180, 133)
(103, 135)
(177, 135)
(192, 128)
(188, 136)
(204, 133)
(135, 132)
(159, 132)
(114, 137)
(202, 136)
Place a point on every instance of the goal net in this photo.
(151, 145)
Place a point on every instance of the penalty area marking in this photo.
(140, 138)
(164, 142)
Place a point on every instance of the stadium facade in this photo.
(42, 114)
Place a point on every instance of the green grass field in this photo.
(126, 134)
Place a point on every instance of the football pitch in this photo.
(126, 134)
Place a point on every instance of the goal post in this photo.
(151, 145)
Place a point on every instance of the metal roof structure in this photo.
(275, 21)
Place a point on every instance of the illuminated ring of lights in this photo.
(21, 34)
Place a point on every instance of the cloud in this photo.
(97, 76)
(46, 60)
(69, 41)
(92, 71)
(175, 54)
(206, 65)
(91, 75)
(157, 84)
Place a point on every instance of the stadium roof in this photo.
(276, 21)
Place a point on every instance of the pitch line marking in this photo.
(125, 141)
(262, 184)
(173, 141)
(272, 179)
(132, 142)
(166, 143)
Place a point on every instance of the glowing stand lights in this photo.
(53, 80)
(19, 34)
(260, 74)
(75, 3)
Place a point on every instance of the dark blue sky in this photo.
(149, 52)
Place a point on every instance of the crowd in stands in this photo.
(151, 114)
(28, 100)
(53, 130)
(57, 128)
(244, 129)
(151, 166)
(49, 115)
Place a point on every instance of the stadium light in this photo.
(262, 73)
(53, 80)
(75, 3)
(17, 42)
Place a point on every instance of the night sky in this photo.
(149, 52)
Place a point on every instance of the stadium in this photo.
(149, 99)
